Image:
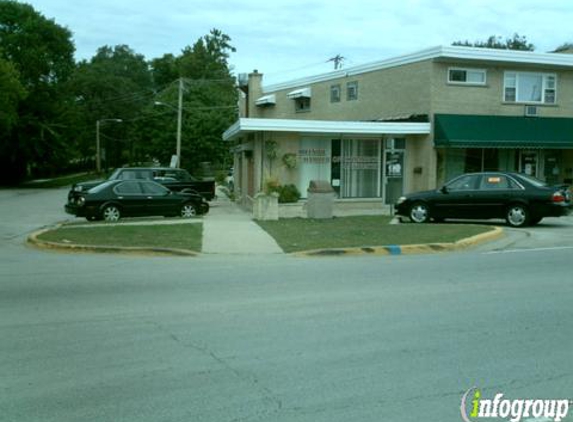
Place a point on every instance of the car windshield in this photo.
(115, 174)
(533, 180)
(100, 187)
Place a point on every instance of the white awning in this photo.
(328, 127)
(270, 99)
(300, 93)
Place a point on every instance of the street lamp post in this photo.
(98, 149)
(179, 120)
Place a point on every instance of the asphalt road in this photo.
(88, 337)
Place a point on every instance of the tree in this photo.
(209, 102)
(517, 42)
(115, 84)
(42, 54)
(565, 47)
(11, 93)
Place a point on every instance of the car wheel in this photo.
(517, 215)
(111, 213)
(188, 211)
(419, 213)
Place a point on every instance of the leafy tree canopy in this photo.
(516, 42)
(40, 54)
(11, 93)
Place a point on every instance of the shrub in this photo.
(288, 194)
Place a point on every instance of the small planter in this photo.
(266, 207)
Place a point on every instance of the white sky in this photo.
(287, 39)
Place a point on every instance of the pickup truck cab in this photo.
(177, 180)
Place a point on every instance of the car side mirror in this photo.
(444, 189)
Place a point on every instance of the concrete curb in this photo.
(73, 247)
(468, 242)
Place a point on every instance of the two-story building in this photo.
(408, 123)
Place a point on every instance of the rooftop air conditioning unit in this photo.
(531, 111)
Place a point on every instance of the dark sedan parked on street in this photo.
(133, 198)
(520, 199)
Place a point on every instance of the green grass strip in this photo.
(298, 234)
(178, 236)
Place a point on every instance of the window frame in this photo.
(335, 93)
(467, 70)
(349, 86)
(546, 79)
(302, 104)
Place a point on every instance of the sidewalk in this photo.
(227, 229)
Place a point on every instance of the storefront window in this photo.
(314, 157)
(354, 167)
(360, 166)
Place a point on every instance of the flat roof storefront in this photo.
(361, 160)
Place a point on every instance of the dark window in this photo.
(135, 174)
(352, 91)
(467, 182)
(153, 189)
(302, 104)
(497, 181)
(335, 94)
(128, 188)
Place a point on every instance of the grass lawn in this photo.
(298, 234)
(179, 236)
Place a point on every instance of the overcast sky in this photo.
(287, 39)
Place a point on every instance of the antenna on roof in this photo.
(338, 59)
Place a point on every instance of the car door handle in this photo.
(150, 197)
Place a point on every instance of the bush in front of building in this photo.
(288, 194)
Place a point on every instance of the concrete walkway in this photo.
(227, 229)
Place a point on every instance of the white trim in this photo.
(325, 126)
(467, 70)
(443, 52)
(270, 99)
(300, 93)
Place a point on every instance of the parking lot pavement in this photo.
(552, 232)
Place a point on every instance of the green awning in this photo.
(469, 131)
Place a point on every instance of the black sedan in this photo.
(133, 198)
(520, 199)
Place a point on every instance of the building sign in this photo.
(313, 156)
(358, 162)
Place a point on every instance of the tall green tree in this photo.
(41, 52)
(115, 84)
(516, 42)
(209, 101)
(11, 93)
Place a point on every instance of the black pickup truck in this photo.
(178, 180)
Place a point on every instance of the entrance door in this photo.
(529, 163)
(551, 167)
(394, 176)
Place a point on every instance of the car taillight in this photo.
(558, 197)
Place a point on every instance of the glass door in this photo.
(529, 163)
(393, 177)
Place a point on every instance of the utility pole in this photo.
(338, 59)
(98, 147)
(179, 121)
